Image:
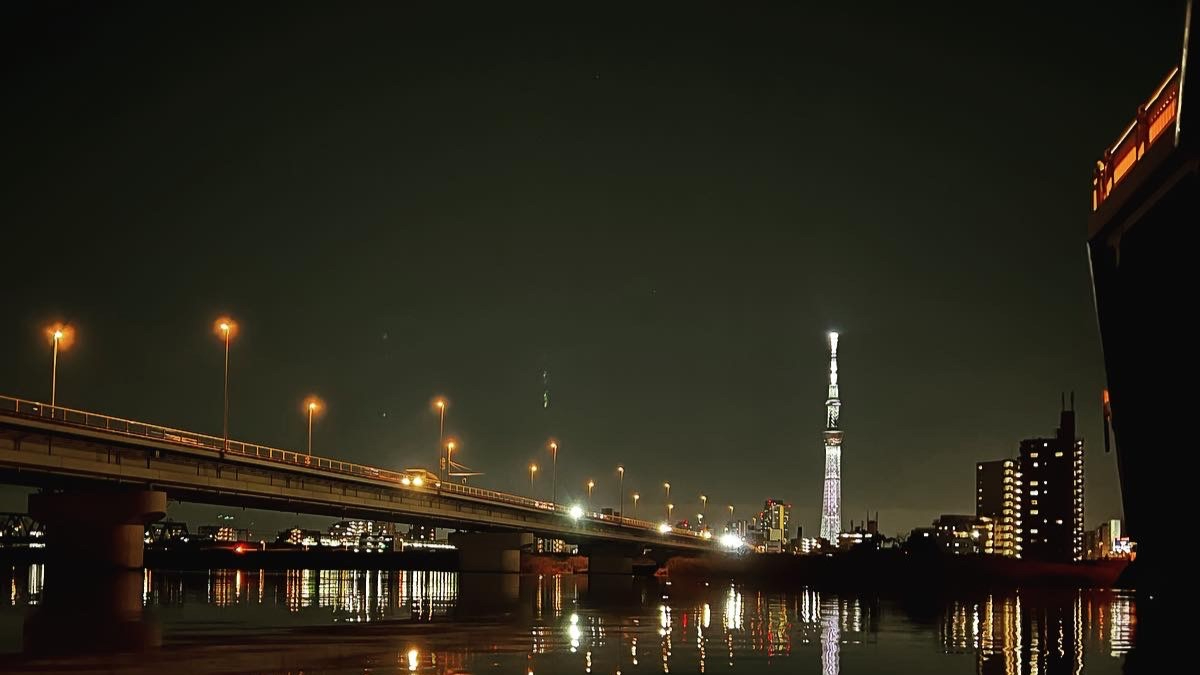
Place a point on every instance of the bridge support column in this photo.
(97, 530)
(610, 559)
(490, 551)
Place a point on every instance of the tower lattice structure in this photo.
(831, 499)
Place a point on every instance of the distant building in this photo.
(1091, 545)
(542, 545)
(298, 537)
(963, 535)
(226, 533)
(997, 496)
(348, 532)
(1106, 542)
(806, 545)
(166, 531)
(739, 527)
(859, 537)
(421, 533)
(773, 525)
(1050, 525)
(378, 540)
(361, 535)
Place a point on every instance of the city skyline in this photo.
(679, 297)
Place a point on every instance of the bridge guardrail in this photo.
(91, 420)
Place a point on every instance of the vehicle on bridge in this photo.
(420, 477)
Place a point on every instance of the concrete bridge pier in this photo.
(97, 530)
(611, 558)
(491, 551)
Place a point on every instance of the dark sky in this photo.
(665, 206)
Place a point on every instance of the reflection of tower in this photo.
(831, 503)
(831, 637)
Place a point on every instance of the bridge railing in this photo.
(1152, 119)
(91, 420)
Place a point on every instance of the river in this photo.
(353, 621)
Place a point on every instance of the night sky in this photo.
(664, 207)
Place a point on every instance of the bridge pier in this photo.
(97, 530)
(491, 551)
(610, 558)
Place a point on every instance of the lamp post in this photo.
(667, 488)
(440, 404)
(60, 336)
(703, 505)
(621, 490)
(532, 471)
(553, 472)
(636, 497)
(670, 508)
(312, 405)
(226, 328)
(591, 484)
(450, 447)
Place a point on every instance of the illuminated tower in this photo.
(831, 501)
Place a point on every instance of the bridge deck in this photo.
(63, 447)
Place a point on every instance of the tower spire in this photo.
(831, 499)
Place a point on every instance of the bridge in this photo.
(1142, 243)
(103, 478)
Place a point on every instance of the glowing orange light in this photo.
(225, 327)
(60, 334)
(439, 403)
(313, 405)
(239, 549)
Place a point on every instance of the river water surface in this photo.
(347, 621)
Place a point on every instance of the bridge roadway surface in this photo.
(68, 449)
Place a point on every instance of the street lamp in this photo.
(62, 337)
(731, 512)
(703, 504)
(667, 488)
(532, 471)
(621, 490)
(226, 328)
(670, 508)
(553, 472)
(636, 497)
(450, 447)
(312, 405)
(440, 404)
(591, 484)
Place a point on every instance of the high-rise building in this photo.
(998, 497)
(773, 523)
(831, 496)
(1051, 516)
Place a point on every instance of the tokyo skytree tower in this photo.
(831, 500)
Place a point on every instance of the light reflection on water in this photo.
(444, 622)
